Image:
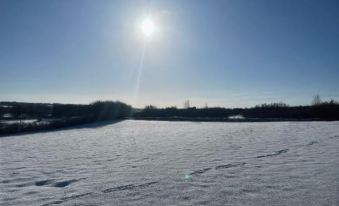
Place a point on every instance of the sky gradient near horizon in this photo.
(233, 53)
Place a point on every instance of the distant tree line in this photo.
(99, 110)
(21, 110)
(51, 116)
(321, 111)
(108, 110)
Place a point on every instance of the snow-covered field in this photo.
(174, 163)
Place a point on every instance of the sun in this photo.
(147, 27)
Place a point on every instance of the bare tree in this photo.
(316, 100)
(187, 104)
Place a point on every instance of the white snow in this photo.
(239, 116)
(23, 121)
(173, 163)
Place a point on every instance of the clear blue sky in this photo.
(231, 53)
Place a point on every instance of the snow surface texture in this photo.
(174, 163)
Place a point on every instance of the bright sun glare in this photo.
(147, 27)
